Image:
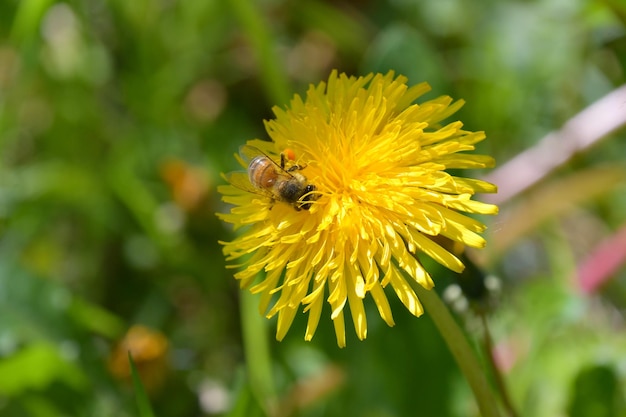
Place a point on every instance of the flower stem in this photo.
(257, 352)
(460, 349)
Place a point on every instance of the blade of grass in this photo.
(257, 353)
(245, 404)
(259, 36)
(143, 403)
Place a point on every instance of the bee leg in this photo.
(296, 167)
(283, 164)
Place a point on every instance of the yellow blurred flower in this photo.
(378, 163)
(149, 349)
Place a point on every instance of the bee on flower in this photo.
(350, 189)
(279, 182)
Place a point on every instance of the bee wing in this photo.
(240, 180)
(249, 152)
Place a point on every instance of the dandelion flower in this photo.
(378, 162)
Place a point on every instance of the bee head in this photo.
(308, 197)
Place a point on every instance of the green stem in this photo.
(257, 352)
(460, 349)
(495, 370)
(259, 36)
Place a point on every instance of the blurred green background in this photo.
(116, 118)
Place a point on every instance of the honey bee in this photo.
(276, 181)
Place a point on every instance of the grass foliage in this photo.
(116, 118)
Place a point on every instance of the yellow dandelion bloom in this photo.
(377, 163)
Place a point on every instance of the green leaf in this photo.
(245, 402)
(596, 393)
(28, 18)
(35, 367)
